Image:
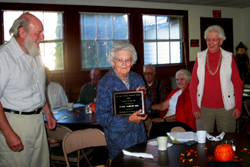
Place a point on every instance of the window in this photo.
(162, 39)
(98, 34)
(159, 36)
(52, 46)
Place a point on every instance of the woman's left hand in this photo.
(142, 88)
(137, 118)
(237, 113)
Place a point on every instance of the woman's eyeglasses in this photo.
(148, 73)
(121, 60)
(213, 40)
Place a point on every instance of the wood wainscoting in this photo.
(73, 81)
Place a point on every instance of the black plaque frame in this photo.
(127, 102)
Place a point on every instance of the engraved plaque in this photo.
(127, 102)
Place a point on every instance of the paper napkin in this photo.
(154, 143)
(141, 155)
(54, 111)
(216, 138)
(62, 117)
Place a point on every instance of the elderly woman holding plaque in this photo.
(121, 131)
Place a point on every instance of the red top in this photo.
(212, 95)
(183, 108)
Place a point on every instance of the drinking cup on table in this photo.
(162, 142)
(70, 106)
(201, 136)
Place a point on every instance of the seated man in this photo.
(156, 89)
(88, 90)
(55, 93)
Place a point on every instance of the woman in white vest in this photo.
(215, 86)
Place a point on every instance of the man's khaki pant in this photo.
(31, 130)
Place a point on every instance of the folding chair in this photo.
(55, 138)
(82, 139)
(178, 129)
(148, 126)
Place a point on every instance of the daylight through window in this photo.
(98, 34)
(162, 39)
(52, 46)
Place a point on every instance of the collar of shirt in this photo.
(155, 80)
(17, 50)
(93, 85)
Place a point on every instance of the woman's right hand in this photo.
(155, 120)
(137, 118)
(197, 114)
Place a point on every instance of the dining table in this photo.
(76, 119)
(181, 155)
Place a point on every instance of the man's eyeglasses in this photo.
(213, 40)
(148, 73)
(121, 60)
(96, 75)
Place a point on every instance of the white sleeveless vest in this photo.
(227, 87)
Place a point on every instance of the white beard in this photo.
(31, 47)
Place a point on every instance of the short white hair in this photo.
(19, 22)
(187, 74)
(122, 45)
(153, 67)
(217, 29)
(93, 70)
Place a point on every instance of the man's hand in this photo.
(51, 121)
(12, 139)
(137, 118)
(14, 142)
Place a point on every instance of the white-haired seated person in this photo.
(56, 96)
(176, 110)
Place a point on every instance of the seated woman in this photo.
(176, 110)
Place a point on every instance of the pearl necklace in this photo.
(217, 68)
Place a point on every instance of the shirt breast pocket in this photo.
(21, 80)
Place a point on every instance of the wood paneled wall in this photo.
(73, 81)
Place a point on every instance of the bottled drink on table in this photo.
(88, 109)
(232, 143)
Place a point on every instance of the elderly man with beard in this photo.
(23, 140)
